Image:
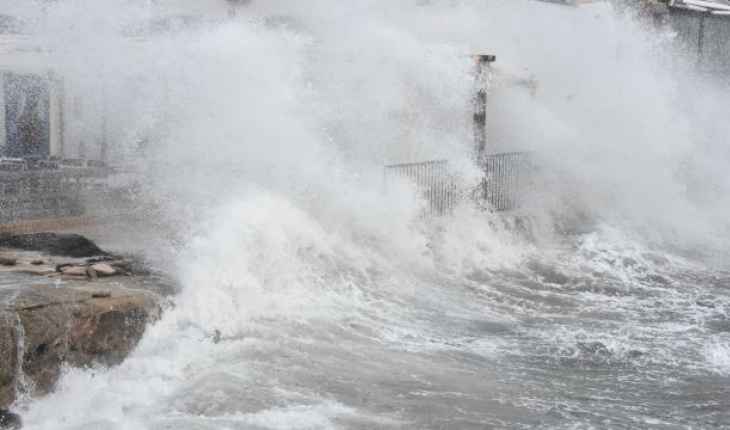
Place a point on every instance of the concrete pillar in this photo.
(3, 139)
(56, 113)
(481, 73)
(103, 137)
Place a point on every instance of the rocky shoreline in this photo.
(63, 301)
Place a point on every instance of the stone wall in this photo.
(53, 191)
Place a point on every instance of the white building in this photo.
(44, 114)
(31, 98)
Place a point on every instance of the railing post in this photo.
(701, 43)
(481, 74)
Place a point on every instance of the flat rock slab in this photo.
(74, 271)
(42, 264)
(101, 270)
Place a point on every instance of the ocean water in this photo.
(309, 298)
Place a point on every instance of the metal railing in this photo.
(436, 184)
(508, 179)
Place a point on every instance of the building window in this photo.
(27, 116)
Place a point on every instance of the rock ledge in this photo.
(94, 312)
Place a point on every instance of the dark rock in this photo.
(66, 245)
(635, 354)
(93, 328)
(37, 262)
(9, 420)
(629, 262)
(109, 327)
(656, 279)
(77, 323)
(8, 261)
(548, 274)
(45, 345)
(706, 301)
(101, 294)
(594, 348)
(8, 360)
(131, 268)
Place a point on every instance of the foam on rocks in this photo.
(97, 314)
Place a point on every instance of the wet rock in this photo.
(108, 329)
(79, 328)
(77, 323)
(217, 336)
(67, 245)
(45, 344)
(8, 360)
(74, 271)
(35, 270)
(706, 301)
(9, 420)
(549, 274)
(98, 294)
(656, 279)
(629, 262)
(131, 268)
(635, 354)
(8, 261)
(102, 270)
(594, 348)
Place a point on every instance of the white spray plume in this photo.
(310, 100)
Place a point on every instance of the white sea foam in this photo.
(717, 354)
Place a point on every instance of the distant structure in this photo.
(571, 2)
(31, 97)
(507, 177)
(702, 28)
(57, 150)
(42, 116)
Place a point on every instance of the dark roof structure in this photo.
(714, 7)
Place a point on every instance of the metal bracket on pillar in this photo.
(481, 73)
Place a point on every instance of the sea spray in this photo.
(310, 299)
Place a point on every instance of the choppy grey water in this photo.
(591, 335)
